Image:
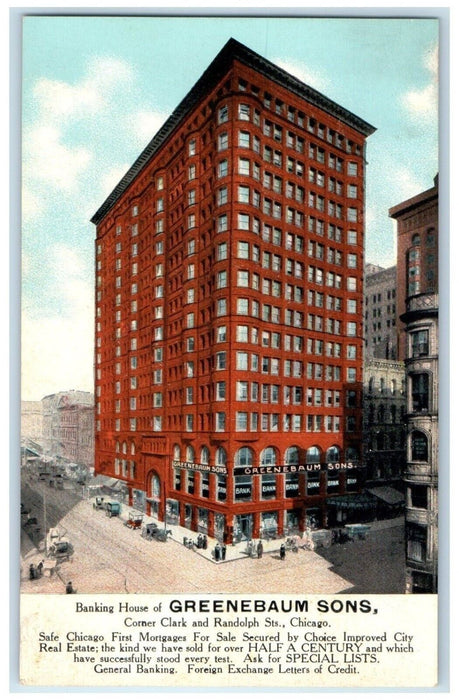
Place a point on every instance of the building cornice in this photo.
(233, 50)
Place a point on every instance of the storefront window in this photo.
(190, 482)
(219, 525)
(268, 486)
(313, 486)
(269, 524)
(204, 485)
(292, 521)
(203, 517)
(172, 512)
(243, 487)
(352, 481)
(221, 487)
(291, 485)
(333, 483)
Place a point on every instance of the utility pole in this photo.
(45, 522)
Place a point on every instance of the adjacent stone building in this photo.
(417, 222)
(384, 407)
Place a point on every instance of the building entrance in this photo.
(243, 527)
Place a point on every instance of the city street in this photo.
(111, 558)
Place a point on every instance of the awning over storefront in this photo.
(353, 501)
(388, 494)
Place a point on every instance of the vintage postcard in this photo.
(229, 406)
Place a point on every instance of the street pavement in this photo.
(112, 558)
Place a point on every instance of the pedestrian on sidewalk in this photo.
(260, 549)
(40, 568)
(32, 572)
(217, 552)
(223, 552)
(69, 588)
(282, 552)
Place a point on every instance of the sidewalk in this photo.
(179, 533)
(239, 550)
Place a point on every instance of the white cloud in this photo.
(52, 156)
(49, 161)
(422, 104)
(145, 124)
(56, 346)
(57, 100)
(313, 78)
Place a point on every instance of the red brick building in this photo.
(229, 340)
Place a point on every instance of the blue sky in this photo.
(96, 89)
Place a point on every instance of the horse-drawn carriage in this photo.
(112, 509)
(151, 531)
(134, 521)
(99, 503)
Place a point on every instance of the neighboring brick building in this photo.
(417, 221)
(229, 292)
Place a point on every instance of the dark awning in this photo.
(388, 495)
(353, 501)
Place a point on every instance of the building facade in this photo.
(417, 221)
(68, 426)
(381, 312)
(32, 421)
(384, 409)
(229, 294)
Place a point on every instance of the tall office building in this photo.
(229, 334)
(380, 312)
(417, 224)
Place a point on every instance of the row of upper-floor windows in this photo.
(277, 210)
(245, 111)
(277, 157)
(246, 250)
(268, 233)
(248, 167)
(382, 385)
(265, 422)
(252, 362)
